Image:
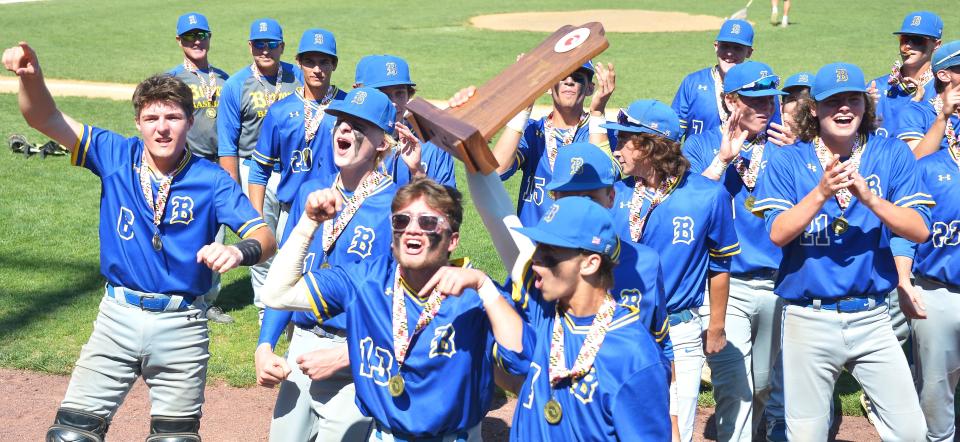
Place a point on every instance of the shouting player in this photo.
(831, 202)
(160, 211)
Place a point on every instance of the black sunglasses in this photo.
(191, 37)
(913, 40)
(427, 222)
(260, 44)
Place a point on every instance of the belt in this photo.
(935, 281)
(379, 431)
(756, 274)
(847, 304)
(324, 331)
(680, 317)
(151, 302)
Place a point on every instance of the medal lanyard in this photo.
(270, 98)
(950, 133)
(896, 77)
(333, 228)
(637, 222)
(163, 190)
(717, 89)
(209, 86)
(550, 136)
(748, 173)
(843, 196)
(558, 370)
(313, 111)
(401, 333)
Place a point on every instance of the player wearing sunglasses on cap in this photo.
(425, 332)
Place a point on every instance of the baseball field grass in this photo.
(49, 280)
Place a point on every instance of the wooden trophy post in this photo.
(465, 130)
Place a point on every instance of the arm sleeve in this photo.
(515, 363)
(774, 189)
(102, 151)
(903, 247)
(914, 122)
(694, 150)
(681, 105)
(527, 140)
(234, 208)
(228, 119)
(661, 321)
(647, 390)
(906, 181)
(267, 152)
(331, 289)
(722, 236)
(443, 169)
(274, 323)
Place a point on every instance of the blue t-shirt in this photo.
(692, 230)
(243, 105)
(448, 370)
(629, 374)
(759, 253)
(202, 137)
(819, 263)
(894, 99)
(202, 197)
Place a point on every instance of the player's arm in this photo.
(715, 335)
(606, 83)
(265, 155)
(930, 143)
(730, 141)
(505, 151)
(271, 369)
(257, 246)
(36, 104)
(792, 221)
(228, 129)
(723, 245)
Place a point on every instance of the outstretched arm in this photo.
(36, 103)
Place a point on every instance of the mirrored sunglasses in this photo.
(191, 37)
(261, 44)
(626, 120)
(763, 84)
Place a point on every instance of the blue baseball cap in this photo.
(382, 71)
(318, 40)
(369, 104)
(648, 116)
(576, 222)
(752, 79)
(923, 23)
(736, 31)
(835, 78)
(266, 29)
(946, 56)
(800, 79)
(583, 166)
(190, 21)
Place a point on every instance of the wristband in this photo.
(251, 251)
(488, 291)
(595, 122)
(718, 166)
(519, 121)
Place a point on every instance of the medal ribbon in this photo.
(637, 222)
(333, 228)
(718, 89)
(163, 189)
(401, 332)
(270, 98)
(207, 87)
(588, 352)
(313, 111)
(896, 77)
(950, 132)
(748, 173)
(843, 196)
(550, 136)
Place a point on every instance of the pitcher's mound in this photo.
(614, 20)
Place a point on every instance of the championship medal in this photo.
(211, 112)
(839, 226)
(157, 244)
(396, 386)
(552, 412)
(749, 202)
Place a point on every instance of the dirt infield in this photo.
(232, 414)
(614, 20)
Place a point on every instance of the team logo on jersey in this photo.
(263, 26)
(294, 114)
(359, 97)
(873, 182)
(702, 87)
(125, 224)
(572, 40)
(682, 230)
(181, 210)
(576, 166)
(631, 297)
(584, 388)
(552, 212)
(318, 39)
(812, 167)
(192, 19)
(842, 75)
(443, 343)
(915, 21)
(391, 69)
(362, 241)
(735, 29)
(942, 178)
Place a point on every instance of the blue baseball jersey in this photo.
(692, 230)
(894, 99)
(531, 159)
(935, 258)
(819, 263)
(435, 162)
(448, 370)
(367, 236)
(283, 143)
(202, 197)
(638, 283)
(628, 374)
(243, 106)
(202, 137)
(917, 118)
(696, 103)
(759, 253)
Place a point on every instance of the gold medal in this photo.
(839, 226)
(157, 244)
(749, 202)
(395, 386)
(553, 412)
(211, 112)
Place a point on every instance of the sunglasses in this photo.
(626, 120)
(428, 223)
(913, 40)
(763, 84)
(191, 37)
(261, 44)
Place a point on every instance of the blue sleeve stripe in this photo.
(250, 226)
(909, 136)
(83, 144)
(916, 198)
(263, 159)
(315, 296)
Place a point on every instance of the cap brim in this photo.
(390, 83)
(933, 36)
(317, 50)
(786, 89)
(824, 95)
(763, 93)
(540, 237)
(738, 41)
(575, 186)
(195, 28)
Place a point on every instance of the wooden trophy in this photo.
(464, 131)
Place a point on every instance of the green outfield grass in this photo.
(49, 210)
